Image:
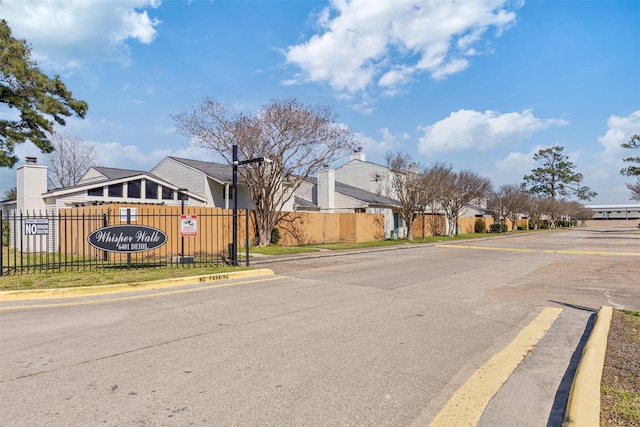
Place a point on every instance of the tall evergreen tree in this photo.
(39, 100)
(555, 176)
(634, 169)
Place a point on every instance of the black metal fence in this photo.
(82, 240)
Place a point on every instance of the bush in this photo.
(479, 226)
(275, 236)
(522, 227)
(498, 228)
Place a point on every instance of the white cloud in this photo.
(605, 166)
(620, 131)
(363, 43)
(389, 141)
(117, 155)
(514, 166)
(475, 130)
(67, 34)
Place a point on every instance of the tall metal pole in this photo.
(181, 214)
(234, 233)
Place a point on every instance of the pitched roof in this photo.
(359, 194)
(115, 173)
(299, 201)
(364, 195)
(217, 171)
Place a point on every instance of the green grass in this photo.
(627, 404)
(287, 250)
(103, 276)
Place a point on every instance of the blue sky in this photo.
(479, 84)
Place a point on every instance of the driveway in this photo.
(372, 338)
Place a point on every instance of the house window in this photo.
(95, 192)
(151, 190)
(167, 193)
(134, 188)
(115, 190)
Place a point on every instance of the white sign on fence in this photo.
(133, 214)
(36, 226)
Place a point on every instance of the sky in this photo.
(478, 84)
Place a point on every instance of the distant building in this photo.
(615, 211)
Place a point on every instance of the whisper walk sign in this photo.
(127, 238)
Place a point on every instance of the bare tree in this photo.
(71, 159)
(298, 138)
(408, 184)
(455, 190)
(577, 213)
(514, 201)
(535, 209)
(553, 211)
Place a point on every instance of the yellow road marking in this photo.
(467, 405)
(554, 251)
(485, 248)
(132, 297)
(547, 251)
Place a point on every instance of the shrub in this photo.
(479, 226)
(275, 236)
(498, 228)
(522, 227)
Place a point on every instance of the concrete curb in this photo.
(583, 405)
(41, 294)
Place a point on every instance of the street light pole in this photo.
(234, 184)
(181, 192)
(234, 190)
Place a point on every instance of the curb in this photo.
(466, 406)
(41, 294)
(583, 405)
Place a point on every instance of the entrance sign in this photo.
(36, 226)
(188, 225)
(127, 238)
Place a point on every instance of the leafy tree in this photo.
(407, 183)
(555, 176)
(298, 138)
(70, 160)
(39, 100)
(633, 170)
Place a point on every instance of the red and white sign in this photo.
(188, 225)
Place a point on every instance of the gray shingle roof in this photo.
(360, 194)
(364, 195)
(115, 173)
(217, 171)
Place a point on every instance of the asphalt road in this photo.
(361, 339)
